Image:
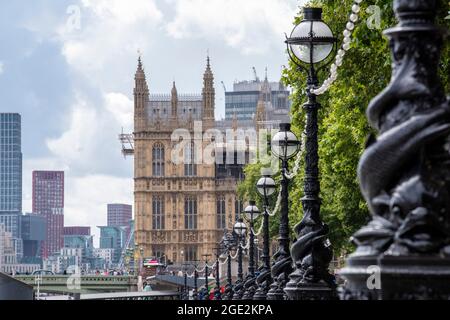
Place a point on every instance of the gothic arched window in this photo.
(158, 155)
(158, 216)
(190, 166)
(190, 213)
(221, 212)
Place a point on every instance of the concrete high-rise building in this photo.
(119, 215)
(181, 209)
(48, 201)
(11, 177)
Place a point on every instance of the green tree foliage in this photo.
(343, 125)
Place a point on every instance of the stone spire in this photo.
(260, 116)
(266, 91)
(141, 97)
(209, 93)
(235, 122)
(174, 101)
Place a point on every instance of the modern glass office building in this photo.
(34, 232)
(10, 163)
(11, 177)
(113, 238)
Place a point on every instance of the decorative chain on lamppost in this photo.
(251, 213)
(404, 173)
(240, 229)
(285, 145)
(206, 297)
(311, 44)
(266, 187)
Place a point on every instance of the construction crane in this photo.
(127, 141)
(224, 87)
(255, 74)
(127, 247)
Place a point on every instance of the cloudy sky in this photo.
(67, 67)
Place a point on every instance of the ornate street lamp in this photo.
(266, 187)
(251, 213)
(229, 242)
(240, 229)
(285, 145)
(309, 46)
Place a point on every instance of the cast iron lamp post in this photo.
(229, 242)
(217, 293)
(206, 256)
(285, 145)
(309, 46)
(240, 229)
(407, 192)
(195, 292)
(266, 187)
(251, 214)
(186, 288)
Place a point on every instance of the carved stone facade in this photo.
(181, 209)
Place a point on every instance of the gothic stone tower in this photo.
(181, 209)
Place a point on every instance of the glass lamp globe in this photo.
(240, 228)
(285, 144)
(266, 185)
(312, 40)
(251, 211)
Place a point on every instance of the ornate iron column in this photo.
(206, 297)
(282, 266)
(195, 293)
(217, 293)
(264, 279)
(186, 289)
(239, 284)
(404, 252)
(228, 295)
(195, 290)
(229, 241)
(311, 252)
(250, 281)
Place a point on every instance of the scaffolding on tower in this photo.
(127, 140)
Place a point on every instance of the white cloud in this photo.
(2, 67)
(251, 26)
(110, 31)
(121, 107)
(78, 141)
(90, 144)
